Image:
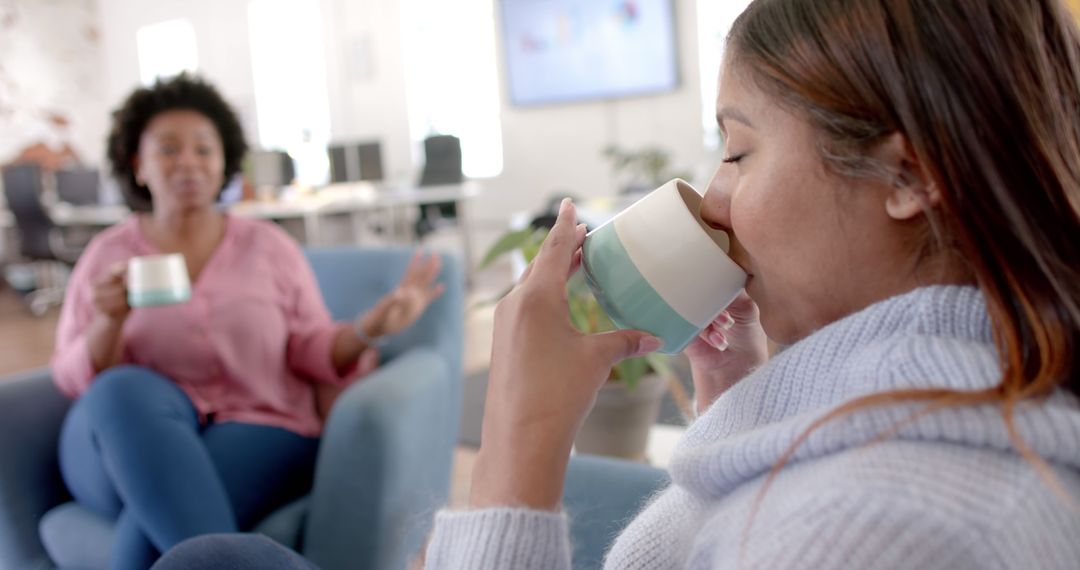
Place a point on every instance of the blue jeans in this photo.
(132, 449)
(232, 552)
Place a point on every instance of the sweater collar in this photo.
(932, 337)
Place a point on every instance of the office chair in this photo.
(40, 241)
(442, 165)
(78, 187)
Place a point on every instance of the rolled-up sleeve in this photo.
(311, 330)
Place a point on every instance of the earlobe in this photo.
(907, 201)
(912, 192)
(135, 171)
(902, 204)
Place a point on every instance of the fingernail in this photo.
(729, 321)
(564, 205)
(649, 344)
(718, 341)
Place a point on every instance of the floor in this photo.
(26, 341)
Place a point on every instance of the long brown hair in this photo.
(987, 94)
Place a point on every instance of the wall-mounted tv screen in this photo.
(573, 50)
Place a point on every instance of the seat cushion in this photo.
(286, 525)
(78, 539)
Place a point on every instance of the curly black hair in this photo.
(181, 92)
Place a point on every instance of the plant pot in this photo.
(619, 423)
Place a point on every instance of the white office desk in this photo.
(362, 198)
(353, 199)
(63, 214)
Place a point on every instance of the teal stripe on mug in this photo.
(627, 297)
(158, 297)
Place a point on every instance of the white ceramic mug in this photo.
(658, 267)
(154, 280)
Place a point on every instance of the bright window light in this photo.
(166, 49)
(289, 71)
(714, 22)
(451, 83)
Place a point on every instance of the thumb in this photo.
(622, 344)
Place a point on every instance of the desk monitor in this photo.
(273, 168)
(355, 161)
(78, 187)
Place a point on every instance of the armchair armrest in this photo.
(31, 413)
(384, 465)
(601, 496)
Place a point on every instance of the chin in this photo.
(194, 205)
(777, 323)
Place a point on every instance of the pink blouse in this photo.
(246, 347)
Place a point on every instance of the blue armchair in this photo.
(384, 461)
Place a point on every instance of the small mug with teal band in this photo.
(657, 267)
(154, 280)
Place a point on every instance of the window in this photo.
(714, 23)
(291, 102)
(451, 83)
(165, 49)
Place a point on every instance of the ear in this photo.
(912, 192)
(135, 170)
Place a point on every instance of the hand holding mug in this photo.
(109, 294)
(544, 378)
(727, 350)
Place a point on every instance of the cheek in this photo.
(215, 167)
(750, 218)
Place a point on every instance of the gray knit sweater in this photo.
(947, 491)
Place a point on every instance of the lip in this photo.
(187, 185)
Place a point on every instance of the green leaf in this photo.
(579, 314)
(659, 363)
(631, 370)
(509, 242)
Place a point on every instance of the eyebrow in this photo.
(734, 115)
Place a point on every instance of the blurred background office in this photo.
(370, 121)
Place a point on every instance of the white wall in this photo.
(546, 149)
(559, 147)
(51, 65)
(221, 36)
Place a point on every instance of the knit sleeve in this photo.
(522, 539)
(846, 530)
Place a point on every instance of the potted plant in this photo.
(629, 403)
(641, 170)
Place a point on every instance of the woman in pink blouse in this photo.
(200, 417)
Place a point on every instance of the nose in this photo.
(188, 157)
(716, 205)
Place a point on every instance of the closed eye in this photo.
(734, 159)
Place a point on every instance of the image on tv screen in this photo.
(574, 50)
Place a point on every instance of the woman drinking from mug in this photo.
(901, 179)
(902, 182)
(199, 417)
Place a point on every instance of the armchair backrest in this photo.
(352, 279)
